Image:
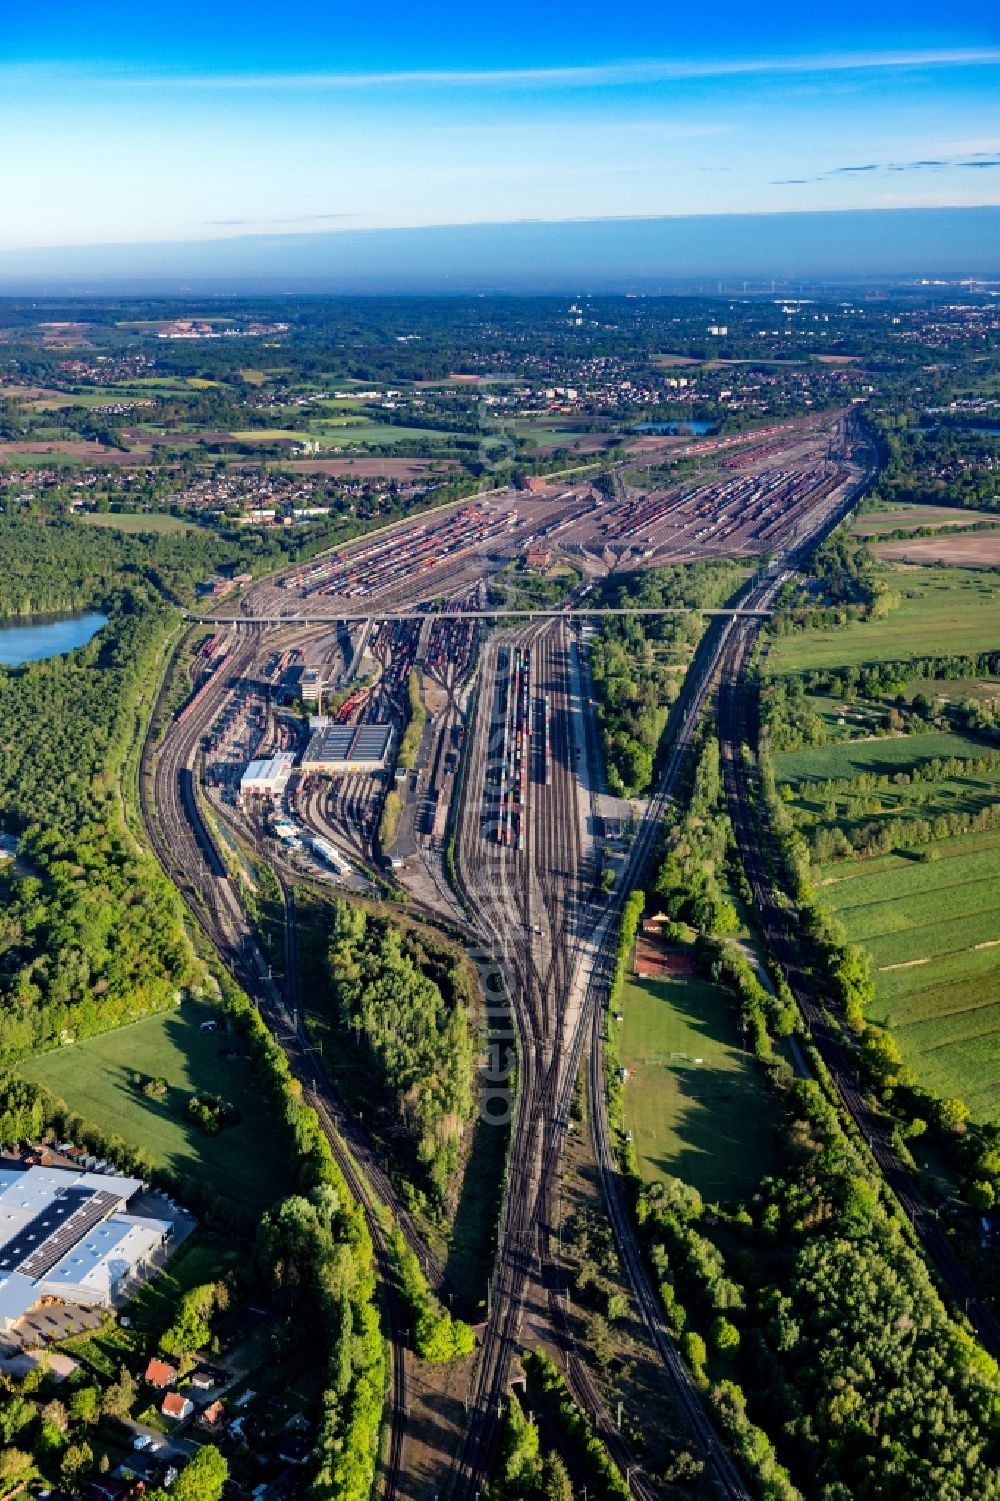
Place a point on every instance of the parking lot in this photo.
(48, 1324)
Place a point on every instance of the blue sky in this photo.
(121, 123)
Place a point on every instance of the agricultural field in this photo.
(964, 550)
(928, 913)
(39, 457)
(882, 756)
(69, 453)
(47, 399)
(337, 408)
(941, 611)
(333, 434)
(97, 1078)
(367, 468)
(54, 401)
(933, 933)
(161, 385)
(897, 517)
(691, 1089)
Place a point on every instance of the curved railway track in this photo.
(719, 1464)
(556, 987)
(187, 851)
(711, 663)
(500, 884)
(550, 1056)
(736, 729)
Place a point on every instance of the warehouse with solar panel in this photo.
(67, 1236)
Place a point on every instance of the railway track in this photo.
(174, 822)
(716, 651)
(735, 731)
(737, 727)
(556, 987)
(502, 884)
(550, 1056)
(316, 1094)
(188, 854)
(719, 1464)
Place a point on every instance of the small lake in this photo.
(38, 636)
(697, 428)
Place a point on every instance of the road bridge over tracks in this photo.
(595, 612)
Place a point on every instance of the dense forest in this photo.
(811, 1300)
(91, 934)
(637, 663)
(690, 882)
(413, 1020)
(53, 563)
(941, 465)
(846, 584)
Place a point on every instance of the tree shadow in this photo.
(723, 1117)
(473, 1239)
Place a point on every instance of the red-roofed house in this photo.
(213, 1413)
(177, 1406)
(161, 1373)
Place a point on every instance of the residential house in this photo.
(213, 1413)
(161, 1374)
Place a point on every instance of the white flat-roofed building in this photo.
(267, 778)
(17, 1294)
(101, 1265)
(31, 1188)
(63, 1234)
(35, 1194)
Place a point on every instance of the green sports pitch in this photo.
(97, 1079)
(691, 1088)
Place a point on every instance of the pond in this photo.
(36, 636)
(695, 426)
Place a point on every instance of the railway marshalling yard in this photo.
(497, 828)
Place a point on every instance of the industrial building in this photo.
(64, 1234)
(267, 778)
(343, 748)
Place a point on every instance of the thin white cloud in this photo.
(939, 163)
(600, 75)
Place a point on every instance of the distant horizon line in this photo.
(640, 254)
(328, 229)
